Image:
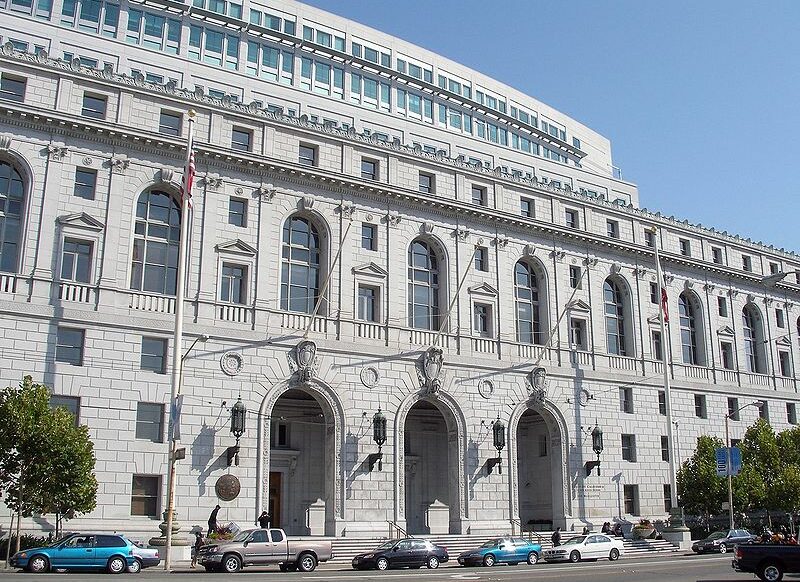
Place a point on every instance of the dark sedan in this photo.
(403, 553)
(722, 541)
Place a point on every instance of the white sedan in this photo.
(589, 547)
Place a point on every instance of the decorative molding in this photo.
(303, 361)
(688, 285)
(461, 234)
(668, 279)
(237, 247)
(370, 270)
(307, 202)
(347, 210)
(56, 153)
(426, 227)
(726, 331)
(486, 388)
(537, 376)
(265, 192)
(5, 143)
(231, 363)
(751, 298)
(369, 376)
(639, 272)
(212, 181)
(501, 241)
(615, 269)
(768, 301)
(558, 255)
(529, 250)
(483, 289)
(578, 305)
(81, 220)
(590, 261)
(393, 219)
(733, 293)
(119, 163)
(709, 287)
(784, 341)
(166, 174)
(429, 370)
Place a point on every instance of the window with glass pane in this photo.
(367, 303)
(785, 364)
(94, 106)
(656, 337)
(571, 218)
(526, 294)
(791, 413)
(577, 334)
(662, 403)
(300, 265)
(12, 88)
(150, 422)
(237, 212)
(369, 238)
(631, 496)
(649, 238)
(157, 233)
(753, 340)
(733, 408)
(612, 228)
(479, 195)
(154, 355)
(71, 404)
(700, 406)
(170, 123)
(69, 346)
(665, 449)
(85, 183)
(716, 255)
(688, 325)
(369, 169)
(483, 322)
(423, 286)
(726, 349)
(308, 155)
(686, 248)
(575, 276)
(481, 259)
(629, 448)
(615, 318)
(145, 493)
(11, 194)
(76, 260)
(425, 183)
(626, 400)
(233, 288)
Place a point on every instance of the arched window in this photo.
(423, 286)
(615, 318)
(300, 265)
(526, 293)
(156, 239)
(753, 340)
(688, 325)
(11, 195)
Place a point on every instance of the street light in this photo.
(728, 416)
(778, 277)
(379, 436)
(499, 443)
(238, 415)
(597, 447)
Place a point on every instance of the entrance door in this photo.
(275, 498)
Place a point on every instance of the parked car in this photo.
(722, 541)
(768, 561)
(502, 550)
(145, 558)
(589, 547)
(262, 547)
(113, 553)
(402, 553)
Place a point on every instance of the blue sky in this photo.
(700, 99)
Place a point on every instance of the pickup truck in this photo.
(263, 547)
(768, 561)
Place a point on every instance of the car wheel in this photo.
(613, 554)
(770, 573)
(136, 567)
(231, 564)
(306, 563)
(38, 564)
(723, 548)
(382, 564)
(116, 565)
(433, 563)
(533, 558)
(488, 560)
(575, 556)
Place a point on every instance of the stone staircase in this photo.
(345, 548)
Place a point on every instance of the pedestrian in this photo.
(617, 530)
(556, 538)
(585, 530)
(198, 543)
(212, 521)
(264, 520)
(606, 528)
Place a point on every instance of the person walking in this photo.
(585, 530)
(556, 537)
(198, 543)
(264, 520)
(212, 521)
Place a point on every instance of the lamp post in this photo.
(597, 447)
(238, 417)
(379, 437)
(775, 278)
(728, 456)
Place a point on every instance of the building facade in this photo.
(373, 227)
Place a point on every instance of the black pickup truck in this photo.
(768, 561)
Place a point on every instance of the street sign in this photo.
(721, 455)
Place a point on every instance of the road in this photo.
(671, 568)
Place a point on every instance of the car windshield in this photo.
(490, 544)
(387, 545)
(716, 535)
(61, 540)
(575, 540)
(242, 536)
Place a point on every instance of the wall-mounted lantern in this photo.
(597, 447)
(499, 443)
(238, 416)
(379, 436)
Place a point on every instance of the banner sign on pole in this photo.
(721, 455)
(722, 462)
(175, 414)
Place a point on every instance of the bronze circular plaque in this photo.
(228, 487)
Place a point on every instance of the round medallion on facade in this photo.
(584, 397)
(486, 388)
(228, 487)
(370, 377)
(231, 363)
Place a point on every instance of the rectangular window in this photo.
(747, 263)
(279, 435)
(733, 408)
(170, 123)
(686, 247)
(542, 445)
(526, 207)
(69, 345)
(700, 406)
(662, 403)
(369, 169)
(722, 305)
(483, 319)
(577, 334)
(234, 284)
(369, 238)
(241, 139)
(656, 337)
(791, 412)
(773, 268)
(307, 155)
(575, 276)
(426, 183)
(76, 261)
(779, 319)
(626, 400)
(571, 218)
(12, 88)
(85, 183)
(154, 355)
(94, 106)
(612, 228)
(629, 448)
(478, 195)
(481, 259)
(150, 422)
(649, 238)
(145, 493)
(630, 494)
(654, 295)
(667, 497)
(367, 303)
(763, 410)
(726, 351)
(237, 212)
(785, 364)
(664, 449)
(716, 255)
(71, 404)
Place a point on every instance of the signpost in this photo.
(722, 461)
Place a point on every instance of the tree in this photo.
(46, 461)
(700, 490)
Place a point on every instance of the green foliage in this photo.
(25, 541)
(700, 490)
(46, 462)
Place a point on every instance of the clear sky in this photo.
(700, 98)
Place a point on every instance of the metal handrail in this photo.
(516, 523)
(396, 529)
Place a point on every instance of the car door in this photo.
(594, 547)
(603, 546)
(106, 546)
(517, 550)
(278, 546)
(402, 554)
(257, 549)
(78, 552)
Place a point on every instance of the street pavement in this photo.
(661, 568)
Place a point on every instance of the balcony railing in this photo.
(75, 292)
(8, 284)
(300, 322)
(233, 313)
(153, 303)
(696, 372)
(371, 331)
(727, 376)
(484, 345)
(421, 337)
(755, 379)
(622, 363)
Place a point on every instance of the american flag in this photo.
(664, 304)
(188, 178)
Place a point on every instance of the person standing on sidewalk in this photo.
(198, 543)
(264, 520)
(212, 520)
(556, 537)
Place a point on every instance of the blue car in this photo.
(110, 552)
(502, 550)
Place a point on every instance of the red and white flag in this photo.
(188, 178)
(664, 304)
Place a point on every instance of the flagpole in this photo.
(177, 342)
(665, 345)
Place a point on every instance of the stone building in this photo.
(374, 227)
